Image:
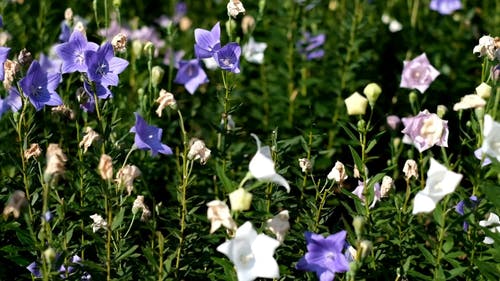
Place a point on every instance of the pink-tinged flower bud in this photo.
(356, 104)
(393, 121)
(410, 169)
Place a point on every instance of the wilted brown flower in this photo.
(16, 201)
(33, 151)
(64, 110)
(305, 165)
(119, 43)
(386, 186)
(10, 69)
(56, 161)
(126, 175)
(410, 169)
(279, 225)
(218, 214)
(165, 99)
(139, 205)
(106, 167)
(88, 139)
(198, 151)
(234, 8)
(247, 24)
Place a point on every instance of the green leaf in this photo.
(118, 219)
(428, 256)
(226, 182)
(127, 253)
(356, 158)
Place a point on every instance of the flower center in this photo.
(246, 259)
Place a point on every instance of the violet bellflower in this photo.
(148, 137)
(228, 57)
(191, 75)
(425, 130)
(39, 86)
(4, 52)
(103, 66)
(418, 74)
(445, 7)
(469, 204)
(207, 42)
(11, 102)
(310, 46)
(34, 269)
(324, 255)
(73, 51)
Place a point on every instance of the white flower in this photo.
(337, 173)
(491, 137)
(495, 222)
(240, 200)
(98, 223)
(262, 166)
(483, 90)
(356, 104)
(440, 182)
(486, 47)
(279, 225)
(469, 101)
(254, 51)
(395, 26)
(210, 63)
(251, 253)
(218, 214)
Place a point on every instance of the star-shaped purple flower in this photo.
(103, 66)
(191, 75)
(228, 57)
(4, 52)
(470, 205)
(324, 255)
(310, 46)
(418, 74)
(34, 269)
(445, 7)
(207, 42)
(148, 137)
(11, 102)
(39, 86)
(72, 52)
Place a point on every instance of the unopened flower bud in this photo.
(356, 104)
(240, 200)
(396, 142)
(149, 48)
(49, 255)
(185, 23)
(372, 91)
(106, 167)
(137, 48)
(479, 113)
(247, 24)
(358, 222)
(68, 14)
(361, 125)
(413, 97)
(483, 90)
(117, 3)
(441, 110)
(157, 75)
(365, 247)
(119, 43)
(410, 169)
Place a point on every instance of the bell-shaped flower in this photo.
(445, 7)
(103, 66)
(191, 75)
(228, 57)
(207, 42)
(468, 205)
(358, 191)
(279, 225)
(40, 86)
(251, 253)
(324, 255)
(425, 130)
(418, 74)
(254, 51)
(72, 52)
(440, 182)
(491, 137)
(338, 173)
(311, 46)
(494, 226)
(4, 52)
(469, 101)
(148, 137)
(261, 166)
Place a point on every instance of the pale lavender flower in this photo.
(470, 204)
(228, 57)
(148, 34)
(425, 130)
(254, 51)
(191, 75)
(4, 52)
(479, 154)
(445, 7)
(65, 32)
(175, 55)
(148, 137)
(207, 42)
(324, 255)
(73, 52)
(418, 74)
(310, 46)
(39, 86)
(393, 121)
(358, 191)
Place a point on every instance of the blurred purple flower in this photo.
(148, 34)
(86, 98)
(191, 75)
(418, 74)
(73, 52)
(324, 255)
(479, 154)
(103, 66)
(11, 102)
(207, 42)
(425, 130)
(393, 121)
(309, 46)
(180, 11)
(50, 64)
(470, 204)
(4, 52)
(65, 32)
(495, 72)
(445, 7)
(39, 86)
(148, 137)
(228, 57)
(34, 269)
(359, 192)
(177, 56)
(65, 272)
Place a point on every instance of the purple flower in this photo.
(34, 269)
(418, 74)
(47, 216)
(309, 46)
(73, 52)
(425, 130)
(65, 32)
(393, 121)
(191, 75)
(359, 192)
(65, 272)
(4, 52)
(12, 101)
(103, 66)
(148, 137)
(445, 7)
(148, 34)
(469, 204)
(324, 255)
(207, 42)
(50, 64)
(228, 57)
(479, 154)
(98, 89)
(40, 86)
(177, 57)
